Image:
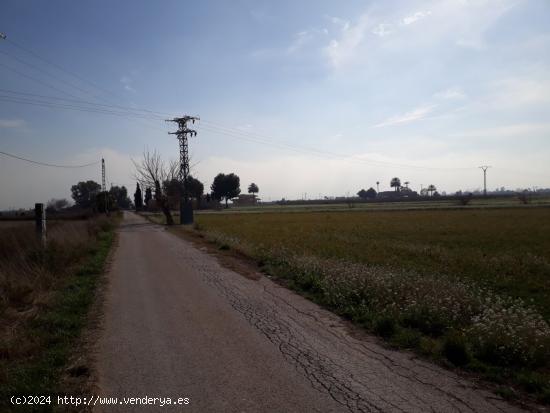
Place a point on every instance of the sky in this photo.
(306, 99)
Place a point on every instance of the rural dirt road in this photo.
(177, 324)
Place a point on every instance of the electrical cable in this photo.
(48, 164)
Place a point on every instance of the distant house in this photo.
(245, 200)
(404, 193)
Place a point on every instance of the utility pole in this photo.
(484, 169)
(104, 187)
(186, 208)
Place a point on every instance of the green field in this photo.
(508, 250)
(470, 286)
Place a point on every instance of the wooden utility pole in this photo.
(186, 207)
(40, 222)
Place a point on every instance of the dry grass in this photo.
(30, 274)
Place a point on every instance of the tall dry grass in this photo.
(29, 271)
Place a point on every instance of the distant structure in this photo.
(484, 169)
(103, 186)
(186, 207)
(245, 200)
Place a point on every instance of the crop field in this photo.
(468, 286)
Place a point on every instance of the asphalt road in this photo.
(178, 324)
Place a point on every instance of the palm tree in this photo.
(396, 183)
(377, 186)
(407, 184)
(431, 189)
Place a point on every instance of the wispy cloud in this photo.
(383, 29)
(12, 123)
(343, 49)
(450, 94)
(414, 115)
(452, 23)
(413, 18)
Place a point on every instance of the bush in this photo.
(385, 327)
(455, 349)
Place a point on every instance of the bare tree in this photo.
(151, 172)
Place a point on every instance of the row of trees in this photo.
(88, 194)
(161, 184)
(395, 183)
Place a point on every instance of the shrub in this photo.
(455, 349)
(384, 327)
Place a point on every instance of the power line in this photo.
(38, 69)
(34, 102)
(47, 164)
(84, 102)
(316, 152)
(17, 72)
(43, 59)
(75, 75)
(154, 115)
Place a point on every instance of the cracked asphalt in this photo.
(178, 324)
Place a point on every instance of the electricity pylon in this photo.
(484, 169)
(186, 207)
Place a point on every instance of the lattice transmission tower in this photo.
(186, 207)
(103, 186)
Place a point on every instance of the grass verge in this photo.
(33, 361)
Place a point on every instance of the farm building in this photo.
(245, 200)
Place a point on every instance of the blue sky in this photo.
(423, 90)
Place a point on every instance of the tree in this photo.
(174, 190)
(225, 187)
(84, 193)
(56, 205)
(431, 189)
(148, 196)
(253, 189)
(105, 202)
(371, 193)
(151, 171)
(362, 194)
(138, 198)
(120, 196)
(396, 183)
(195, 188)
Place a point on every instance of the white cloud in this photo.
(341, 23)
(450, 94)
(300, 40)
(12, 123)
(383, 29)
(341, 50)
(460, 23)
(414, 115)
(415, 17)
